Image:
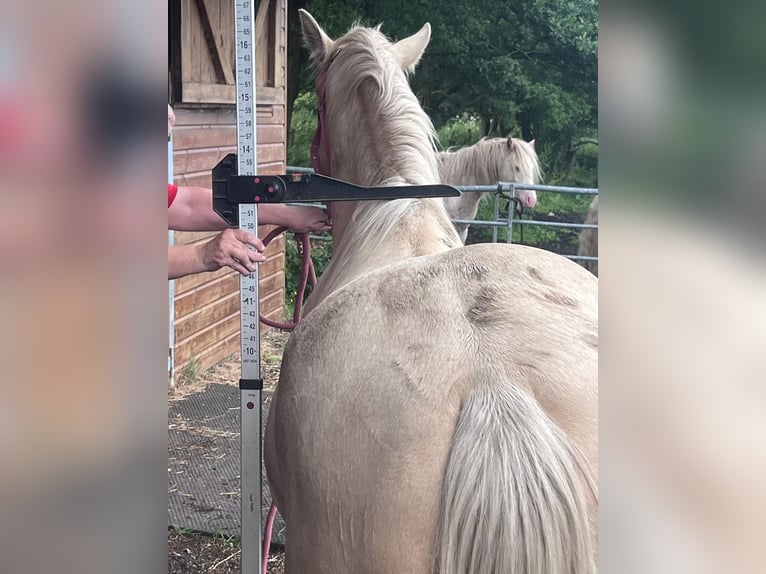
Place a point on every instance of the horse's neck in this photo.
(420, 227)
(467, 166)
(475, 165)
(385, 141)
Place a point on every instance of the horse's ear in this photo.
(408, 51)
(511, 144)
(532, 143)
(313, 36)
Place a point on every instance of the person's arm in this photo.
(192, 210)
(229, 248)
(302, 219)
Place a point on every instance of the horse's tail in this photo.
(514, 498)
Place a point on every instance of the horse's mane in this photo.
(481, 163)
(396, 143)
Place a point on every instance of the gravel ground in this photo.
(192, 553)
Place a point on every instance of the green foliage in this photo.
(461, 131)
(321, 251)
(190, 373)
(304, 124)
(550, 206)
(527, 69)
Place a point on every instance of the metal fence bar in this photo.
(556, 224)
(296, 169)
(553, 188)
(510, 220)
(581, 257)
(504, 223)
(509, 238)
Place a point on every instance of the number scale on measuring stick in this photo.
(250, 383)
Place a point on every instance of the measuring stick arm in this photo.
(231, 190)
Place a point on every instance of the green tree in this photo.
(527, 69)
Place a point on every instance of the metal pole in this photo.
(250, 383)
(510, 214)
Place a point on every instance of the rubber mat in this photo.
(203, 462)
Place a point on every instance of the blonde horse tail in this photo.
(514, 498)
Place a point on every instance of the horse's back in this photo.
(374, 378)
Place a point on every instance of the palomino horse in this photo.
(589, 238)
(486, 163)
(437, 406)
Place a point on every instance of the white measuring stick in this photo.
(250, 347)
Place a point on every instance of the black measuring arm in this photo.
(230, 190)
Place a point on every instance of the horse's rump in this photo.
(410, 343)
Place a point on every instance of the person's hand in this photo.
(235, 248)
(305, 219)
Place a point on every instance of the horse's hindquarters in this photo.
(372, 385)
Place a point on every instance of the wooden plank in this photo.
(206, 294)
(272, 283)
(200, 159)
(215, 353)
(175, 24)
(227, 115)
(199, 93)
(205, 159)
(206, 136)
(218, 57)
(280, 41)
(189, 63)
(191, 281)
(271, 114)
(277, 245)
(203, 339)
(271, 152)
(187, 325)
(207, 115)
(272, 265)
(196, 137)
(262, 42)
(273, 303)
(272, 168)
(270, 95)
(270, 134)
(195, 179)
(273, 249)
(189, 237)
(226, 34)
(196, 92)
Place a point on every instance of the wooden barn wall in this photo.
(202, 76)
(207, 304)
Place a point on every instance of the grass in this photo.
(551, 206)
(190, 373)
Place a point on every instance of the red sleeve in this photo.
(172, 191)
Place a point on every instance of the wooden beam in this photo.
(221, 64)
(261, 24)
(193, 93)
